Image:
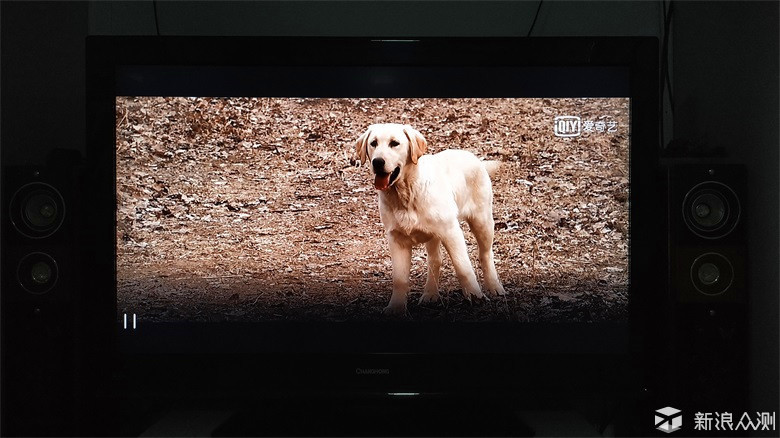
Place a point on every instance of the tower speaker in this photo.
(708, 293)
(41, 277)
(707, 238)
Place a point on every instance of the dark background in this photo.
(723, 62)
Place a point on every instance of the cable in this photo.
(156, 19)
(665, 78)
(538, 8)
(667, 32)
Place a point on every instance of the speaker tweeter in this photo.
(711, 210)
(37, 210)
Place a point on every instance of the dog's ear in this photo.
(361, 147)
(417, 144)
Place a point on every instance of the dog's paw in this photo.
(429, 298)
(395, 310)
(495, 291)
(474, 294)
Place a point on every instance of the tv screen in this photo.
(257, 209)
(253, 218)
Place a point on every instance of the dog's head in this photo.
(390, 147)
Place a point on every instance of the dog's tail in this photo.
(492, 167)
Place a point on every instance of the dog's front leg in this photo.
(401, 253)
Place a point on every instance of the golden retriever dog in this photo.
(422, 198)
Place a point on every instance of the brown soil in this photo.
(252, 209)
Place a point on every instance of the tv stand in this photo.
(373, 416)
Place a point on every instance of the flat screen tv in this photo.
(246, 241)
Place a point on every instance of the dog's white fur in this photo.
(425, 203)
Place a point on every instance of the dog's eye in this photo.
(394, 144)
(373, 144)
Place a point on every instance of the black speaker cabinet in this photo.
(707, 238)
(708, 292)
(41, 276)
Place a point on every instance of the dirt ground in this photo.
(251, 209)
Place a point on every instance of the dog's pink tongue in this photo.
(382, 181)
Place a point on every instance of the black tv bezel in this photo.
(594, 347)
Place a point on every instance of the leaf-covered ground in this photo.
(251, 209)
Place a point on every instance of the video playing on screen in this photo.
(276, 209)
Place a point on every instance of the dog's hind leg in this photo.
(431, 290)
(482, 227)
(455, 245)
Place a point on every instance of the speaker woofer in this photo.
(712, 273)
(37, 210)
(711, 210)
(37, 273)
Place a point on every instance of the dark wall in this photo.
(42, 74)
(726, 96)
(360, 18)
(724, 68)
(43, 50)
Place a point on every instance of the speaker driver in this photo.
(37, 210)
(37, 273)
(712, 273)
(711, 210)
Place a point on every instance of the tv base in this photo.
(397, 415)
(394, 416)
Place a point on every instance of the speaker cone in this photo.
(711, 210)
(37, 210)
(712, 273)
(37, 273)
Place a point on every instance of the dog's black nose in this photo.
(379, 165)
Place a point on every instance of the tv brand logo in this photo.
(668, 419)
(568, 126)
(372, 371)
